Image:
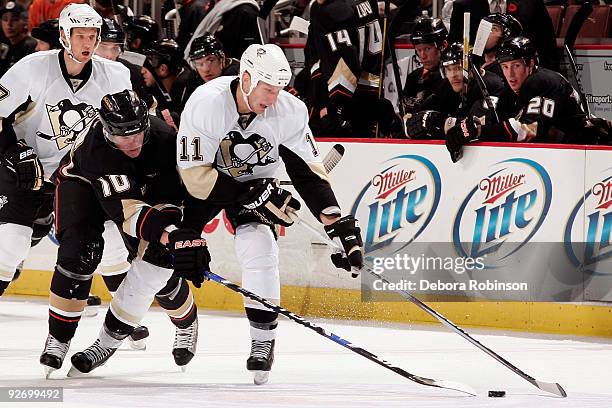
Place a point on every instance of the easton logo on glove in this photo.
(190, 243)
(464, 128)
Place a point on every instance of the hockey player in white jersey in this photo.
(46, 101)
(233, 134)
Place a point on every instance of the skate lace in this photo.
(96, 352)
(261, 348)
(56, 347)
(186, 338)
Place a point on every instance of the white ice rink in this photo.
(309, 370)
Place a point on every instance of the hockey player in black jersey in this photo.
(456, 97)
(504, 26)
(429, 39)
(124, 168)
(550, 112)
(208, 59)
(165, 73)
(345, 42)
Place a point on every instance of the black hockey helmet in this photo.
(453, 54)
(511, 27)
(48, 31)
(207, 44)
(123, 114)
(143, 27)
(165, 51)
(112, 32)
(428, 30)
(517, 48)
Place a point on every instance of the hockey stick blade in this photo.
(330, 161)
(553, 388)
(451, 385)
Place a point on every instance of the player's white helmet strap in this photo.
(78, 15)
(266, 63)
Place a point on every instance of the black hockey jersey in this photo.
(140, 195)
(347, 45)
(550, 111)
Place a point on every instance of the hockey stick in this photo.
(553, 388)
(331, 160)
(390, 37)
(451, 385)
(570, 38)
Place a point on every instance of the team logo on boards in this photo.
(507, 205)
(68, 121)
(239, 156)
(589, 248)
(399, 202)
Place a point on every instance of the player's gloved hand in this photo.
(190, 255)
(23, 161)
(269, 202)
(426, 124)
(337, 116)
(347, 233)
(462, 133)
(603, 130)
(389, 122)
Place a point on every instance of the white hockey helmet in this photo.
(78, 15)
(266, 63)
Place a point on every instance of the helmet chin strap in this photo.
(245, 95)
(68, 47)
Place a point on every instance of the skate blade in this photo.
(260, 377)
(75, 373)
(48, 370)
(183, 369)
(137, 344)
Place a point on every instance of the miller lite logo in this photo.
(398, 202)
(589, 248)
(507, 205)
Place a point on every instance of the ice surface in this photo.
(309, 370)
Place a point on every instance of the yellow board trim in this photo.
(540, 317)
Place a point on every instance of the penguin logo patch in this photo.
(3, 201)
(68, 121)
(239, 156)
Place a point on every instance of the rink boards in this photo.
(409, 192)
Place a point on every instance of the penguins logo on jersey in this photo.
(239, 156)
(68, 121)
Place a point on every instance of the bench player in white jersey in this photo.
(46, 100)
(233, 135)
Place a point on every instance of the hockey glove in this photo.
(23, 161)
(347, 233)
(425, 125)
(270, 203)
(602, 129)
(190, 255)
(462, 133)
(338, 124)
(389, 122)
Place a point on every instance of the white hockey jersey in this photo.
(48, 113)
(210, 133)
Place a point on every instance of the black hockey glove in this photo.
(426, 124)
(190, 255)
(389, 122)
(23, 161)
(464, 132)
(270, 203)
(338, 124)
(602, 129)
(347, 233)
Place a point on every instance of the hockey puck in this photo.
(497, 394)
